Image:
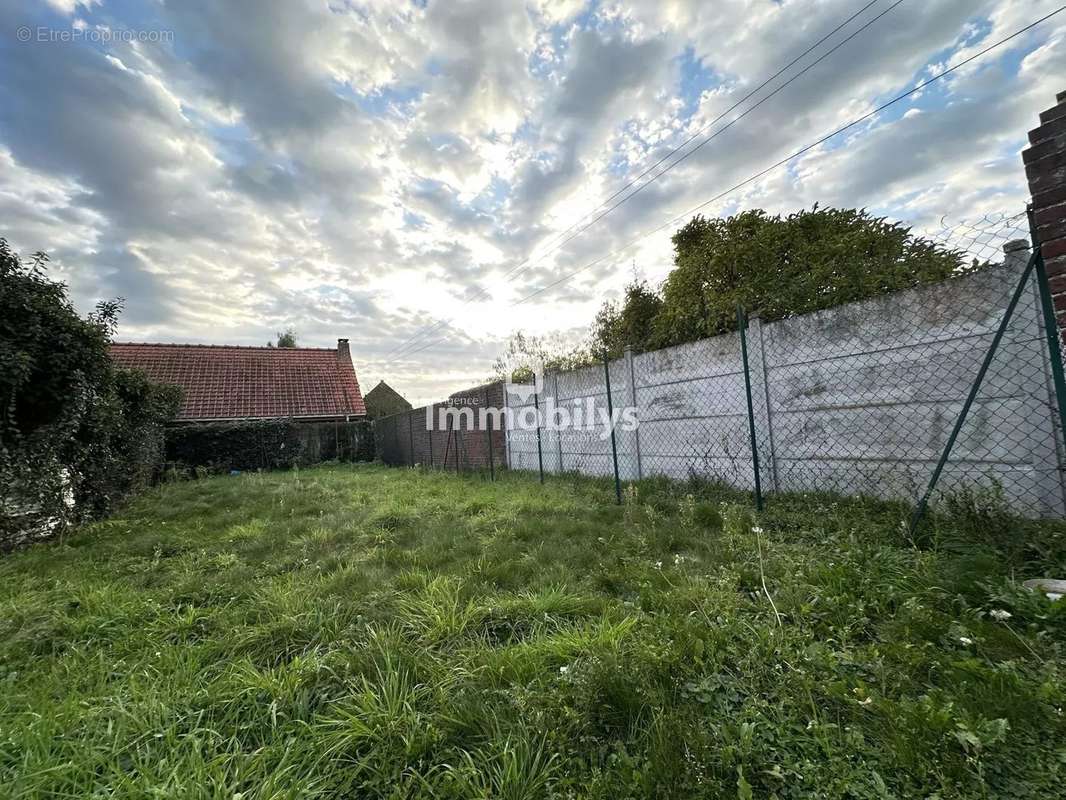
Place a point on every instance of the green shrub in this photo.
(266, 444)
(77, 434)
(773, 265)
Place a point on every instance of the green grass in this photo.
(364, 632)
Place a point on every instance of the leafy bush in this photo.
(267, 444)
(630, 323)
(526, 354)
(776, 266)
(48, 354)
(121, 439)
(76, 433)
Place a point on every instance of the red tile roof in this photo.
(229, 382)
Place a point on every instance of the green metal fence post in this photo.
(742, 324)
(610, 416)
(536, 405)
(1051, 326)
(923, 503)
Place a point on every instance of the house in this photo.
(383, 401)
(224, 382)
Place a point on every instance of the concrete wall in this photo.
(858, 399)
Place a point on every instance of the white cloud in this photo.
(68, 7)
(361, 168)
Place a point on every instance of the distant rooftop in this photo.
(223, 382)
(383, 400)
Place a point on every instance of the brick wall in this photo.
(1045, 167)
(405, 439)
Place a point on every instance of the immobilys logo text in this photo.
(532, 410)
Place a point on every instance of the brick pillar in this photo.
(1045, 166)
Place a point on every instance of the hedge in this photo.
(266, 444)
(78, 435)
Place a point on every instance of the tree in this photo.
(525, 354)
(775, 266)
(630, 323)
(783, 266)
(69, 419)
(48, 354)
(285, 339)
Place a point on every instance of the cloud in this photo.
(364, 169)
(68, 7)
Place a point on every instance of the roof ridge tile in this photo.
(223, 346)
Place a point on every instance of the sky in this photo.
(404, 174)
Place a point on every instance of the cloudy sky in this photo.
(402, 173)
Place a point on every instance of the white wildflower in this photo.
(678, 559)
(999, 615)
(658, 565)
(563, 670)
(966, 640)
(756, 529)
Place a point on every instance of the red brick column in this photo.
(1045, 166)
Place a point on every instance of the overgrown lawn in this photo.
(363, 632)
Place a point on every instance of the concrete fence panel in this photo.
(857, 399)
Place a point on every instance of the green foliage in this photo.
(977, 521)
(266, 444)
(72, 426)
(629, 324)
(365, 632)
(48, 354)
(286, 338)
(120, 439)
(774, 266)
(526, 354)
(780, 267)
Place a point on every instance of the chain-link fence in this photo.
(678, 412)
(942, 389)
(950, 381)
(455, 435)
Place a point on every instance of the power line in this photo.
(857, 121)
(515, 270)
(797, 154)
(731, 123)
(670, 166)
(732, 108)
